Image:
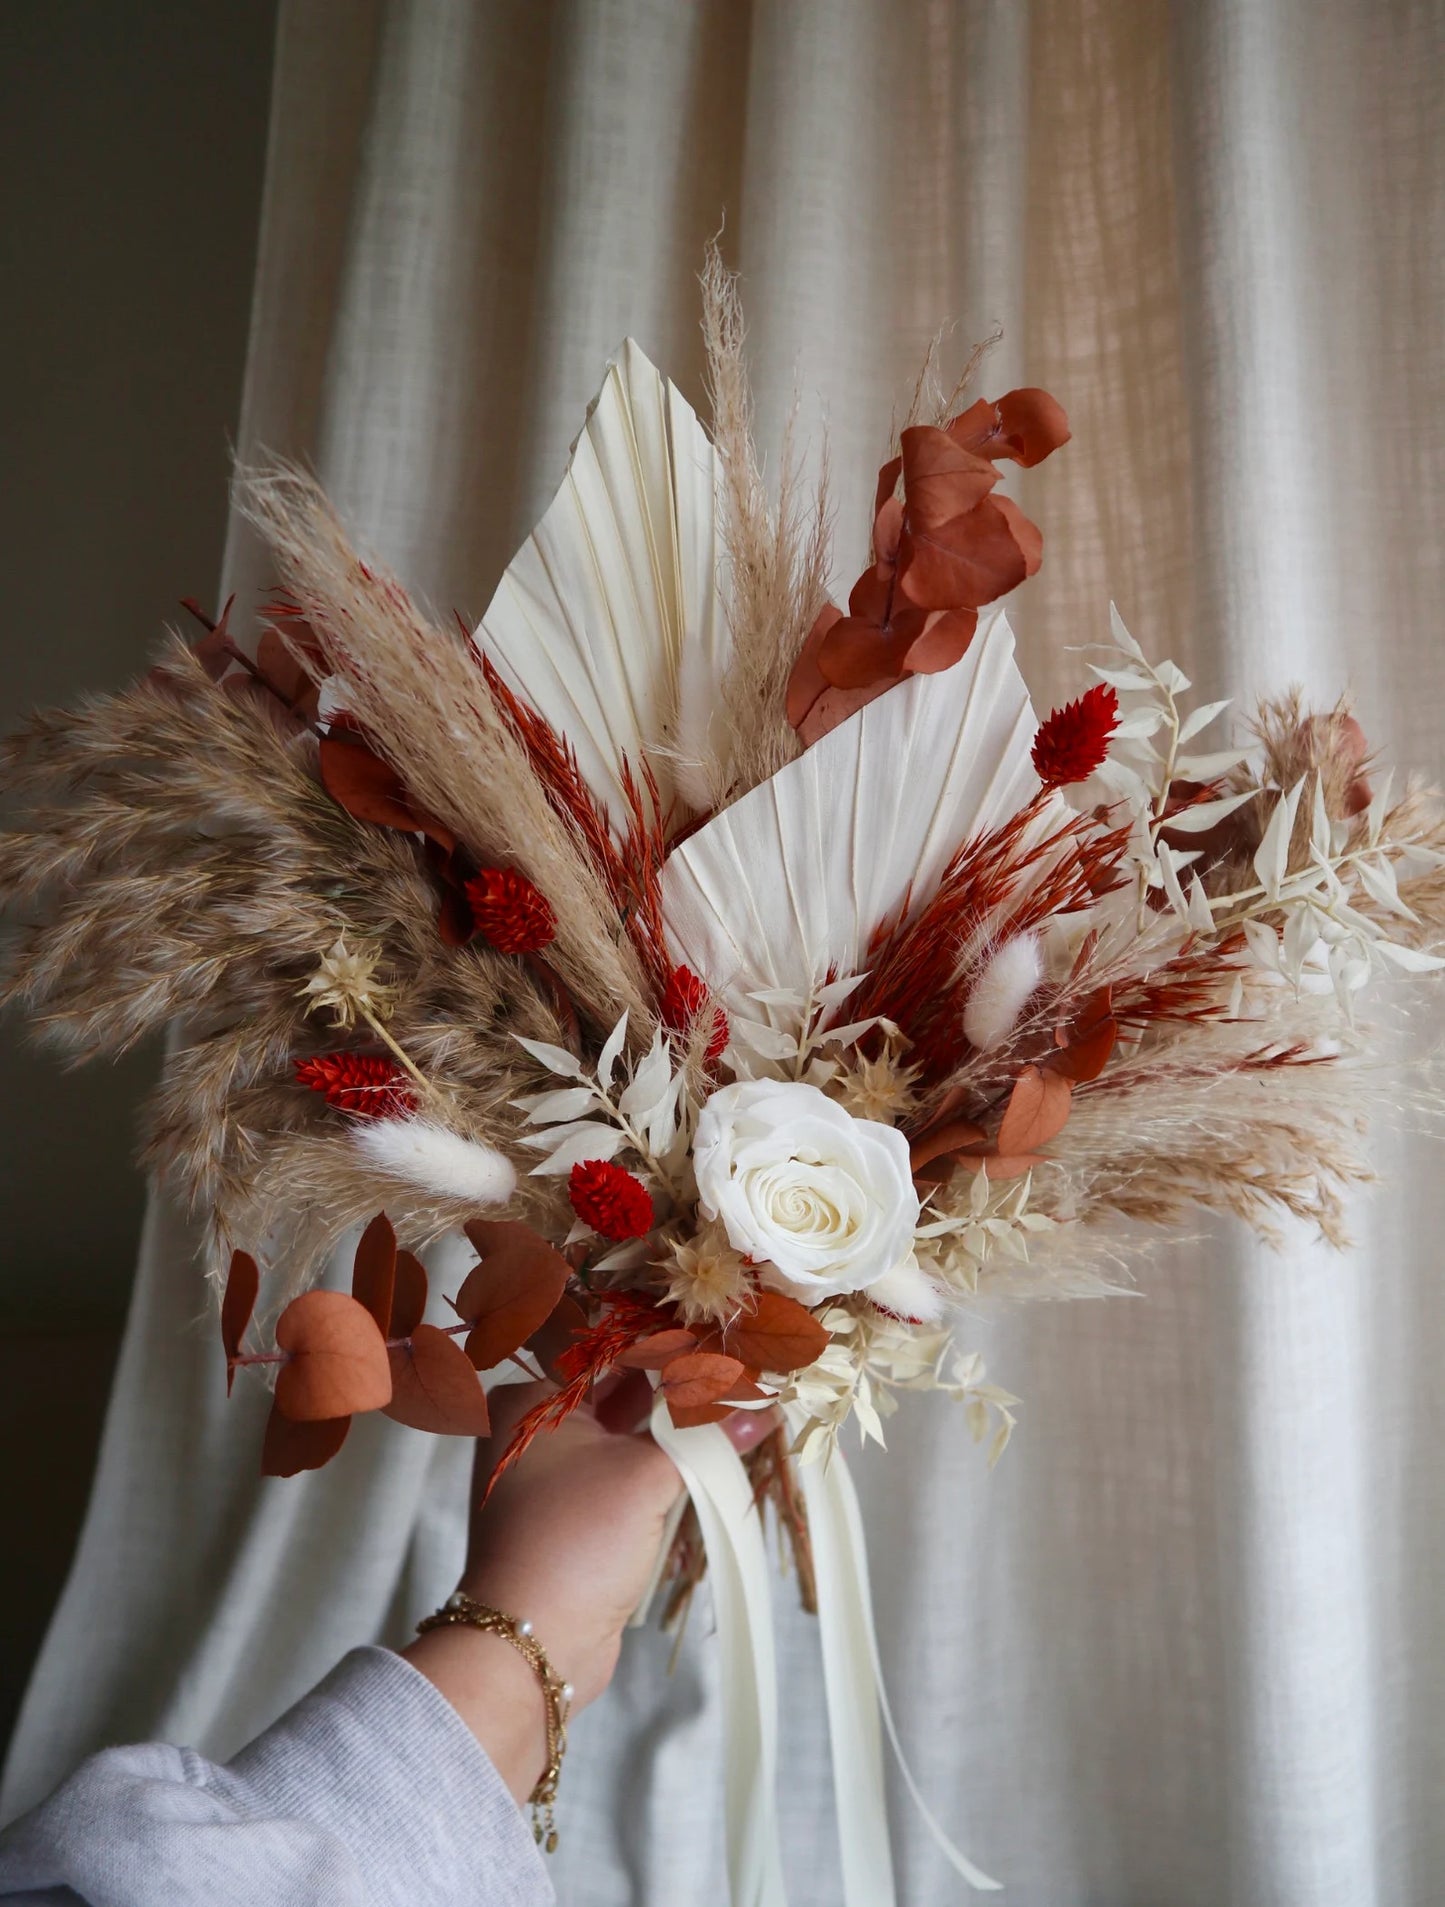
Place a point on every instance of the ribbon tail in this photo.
(855, 1739)
(845, 1613)
(732, 1532)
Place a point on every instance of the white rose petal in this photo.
(822, 1201)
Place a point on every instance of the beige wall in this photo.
(132, 137)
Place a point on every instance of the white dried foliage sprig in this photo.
(1300, 915)
(870, 1356)
(642, 1106)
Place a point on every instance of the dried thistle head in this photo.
(879, 1088)
(345, 984)
(706, 1279)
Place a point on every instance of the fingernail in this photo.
(746, 1429)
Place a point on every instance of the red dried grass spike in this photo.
(1014, 878)
(1074, 740)
(627, 1316)
(683, 998)
(509, 911)
(630, 870)
(610, 1199)
(360, 1083)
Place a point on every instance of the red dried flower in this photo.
(683, 998)
(609, 1199)
(1075, 739)
(509, 911)
(360, 1083)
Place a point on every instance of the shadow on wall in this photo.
(132, 145)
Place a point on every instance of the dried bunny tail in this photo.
(1006, 982)
(776, 569)
(422, 1154)
(421, 696)
(311, 1188)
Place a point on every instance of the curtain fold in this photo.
(1186, 1644)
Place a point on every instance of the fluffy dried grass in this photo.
(182, 866)
(419, 692)
(776, 555)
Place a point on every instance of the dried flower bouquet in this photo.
(754, 981)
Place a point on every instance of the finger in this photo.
(746, 1429)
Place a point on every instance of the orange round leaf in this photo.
(408, 1296)
(373, 1272)
(651, 1353)
(512, 1292)
(775, 1334)
(290, 1447)
(338, 1360)
(243, 1281)
(1038, 1110)
(435, 1386)
(699, 1377)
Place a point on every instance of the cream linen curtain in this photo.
(1187, 1645)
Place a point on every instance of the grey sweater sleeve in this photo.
(370, 1792)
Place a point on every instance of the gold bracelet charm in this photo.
(461, 1611)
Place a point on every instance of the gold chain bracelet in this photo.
(460, 1611)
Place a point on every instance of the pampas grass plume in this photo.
(438, 1161)
(1011, 974)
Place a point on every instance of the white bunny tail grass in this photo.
(908, 1292)
(1009, 979)
(427, 1155)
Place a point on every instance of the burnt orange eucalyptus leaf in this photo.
(699, 1377)
(289, 1447)
(945, 636)
(953, 1136)
(435, 1386)
(373, 1271)
(369, 789)
(337, 1361)
(1025, 425)
(408, 1296)
(651, 1353)
(512, 1292)
(963, 564)
(685, 1417)
(941, 478)
(1024, 531)
(1037, 1111)
(859, 653)
(286, 677)
(1085, 1048)
(995, 1165)
(243, 1282)
(808, 682)
(775, 1333)
(947, 547)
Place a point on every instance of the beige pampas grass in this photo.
(776, 551)
(420, 694)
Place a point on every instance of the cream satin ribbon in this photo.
(741, 1583)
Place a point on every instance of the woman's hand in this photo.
(568, 1540)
